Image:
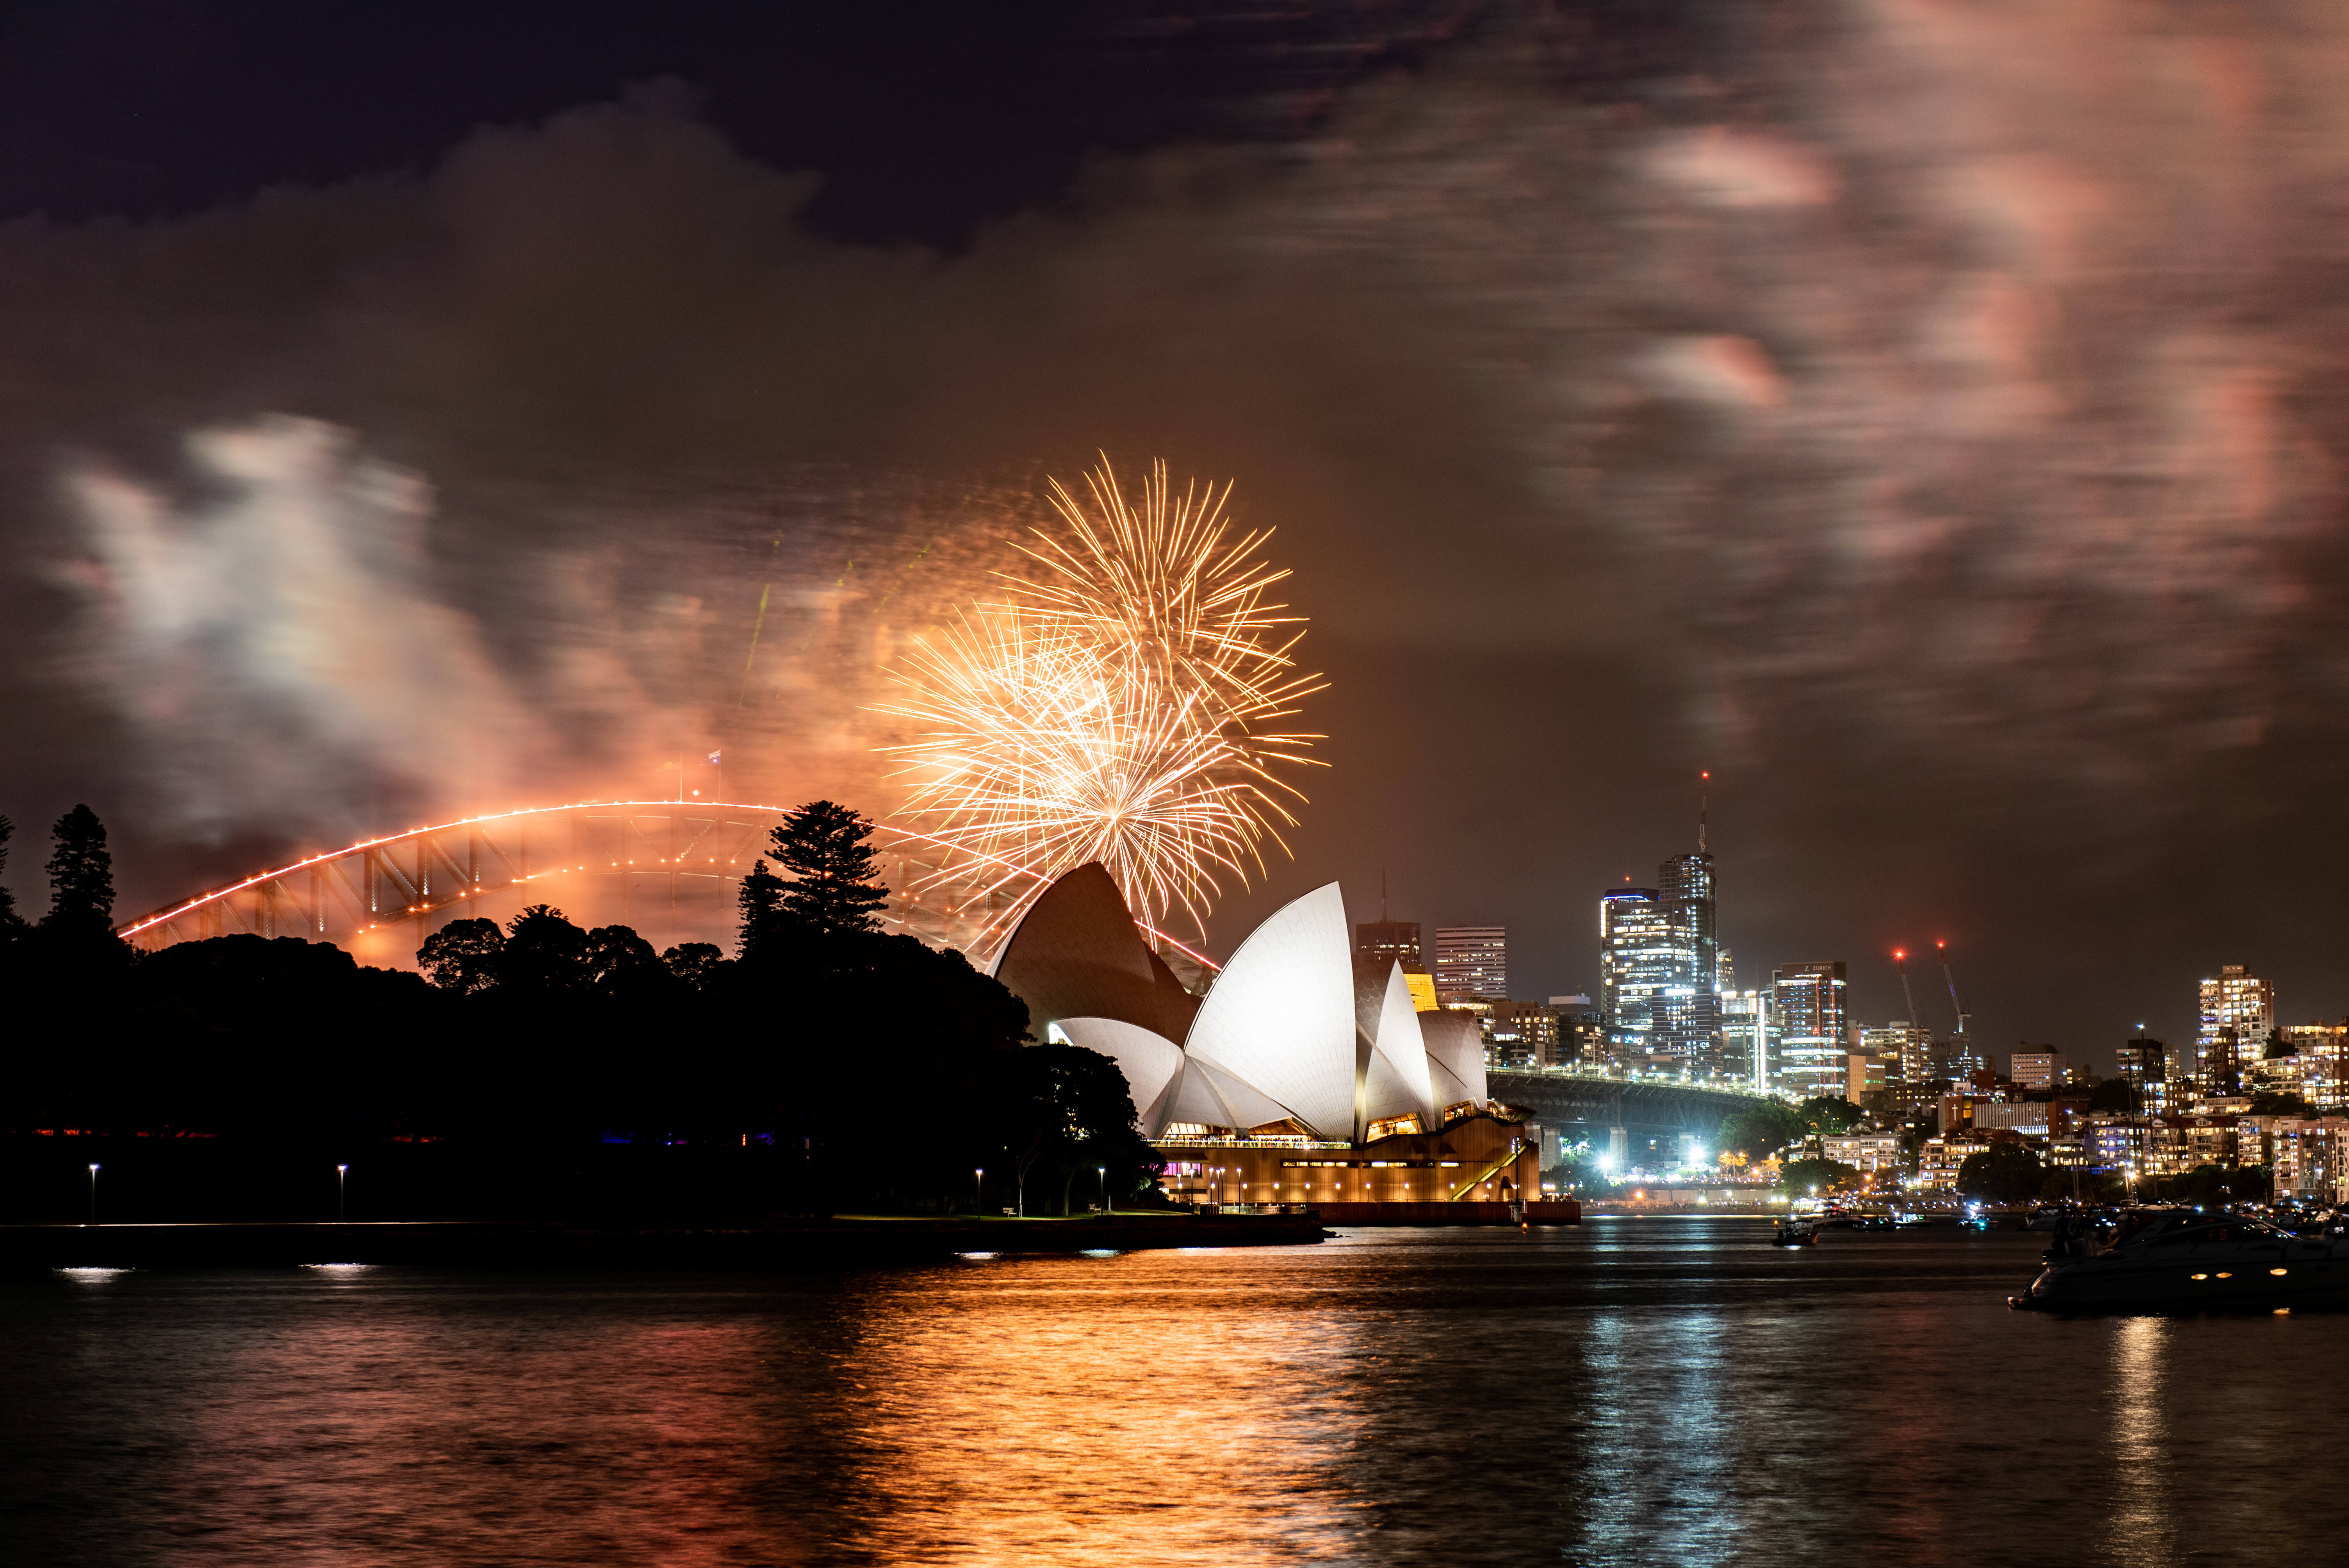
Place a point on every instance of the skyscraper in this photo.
(1814, 1025)
(2238, 1010)
(1908, 1053)
(1749, 1039)
(1635, 964)
(1688, 1016)
(1471, 961)
(2143, 1062)
(1384, 939)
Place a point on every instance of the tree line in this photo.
(880, 1072)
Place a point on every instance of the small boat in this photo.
(1798, 1231)
(2180, 1260)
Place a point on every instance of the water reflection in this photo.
(1068, 1413)
(1669, 1392)
(2140, 1529)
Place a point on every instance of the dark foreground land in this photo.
(780, 1243)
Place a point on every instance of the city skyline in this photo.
(1928, 712)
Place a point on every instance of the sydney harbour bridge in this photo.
(667, 867)
(670, 869)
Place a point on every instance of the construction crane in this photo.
(1958, 1006)
(1901, 960)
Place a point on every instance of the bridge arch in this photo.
(669, 868)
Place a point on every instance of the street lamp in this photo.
(93, 1193)
(341, 1172)
(1100, 1175)
(978, 1191)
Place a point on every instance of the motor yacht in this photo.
(2182, 1260)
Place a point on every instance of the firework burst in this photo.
(1122, 702)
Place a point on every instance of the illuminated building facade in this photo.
(1814, 1022)
(1635, 962)
(1862, 1077)
(2144, 1063)
(1474, 1160)
(2038, 1069)
(1906, 1052)
(1394, 939)
(1304, 1074)
(1520, 1034)
(1869, 1151)
(2323, 1051)
(1581, 1032)
(2236, 1011)
(1687, 1016)
(1471, 961)
(1749, 1039)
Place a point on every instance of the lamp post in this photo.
(93, 1193)
(1100, 1176)
(978, 1191)
(341, 1173)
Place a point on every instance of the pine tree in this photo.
(762, 899)
(835, 886)
(10, 920)
(81, 874)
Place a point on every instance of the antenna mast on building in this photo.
(1703, 807)
(1959, 1007)
(1900, 959)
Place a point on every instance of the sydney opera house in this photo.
(1302, 1076)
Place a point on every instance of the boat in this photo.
(1798, 1231)
(2183, 1260)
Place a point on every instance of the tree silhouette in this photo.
(81, 874)
(694, 963)
(622, 963)
(462, 955)
(761, 903)
(835, 886)
(2003, 1173)
(10, 920)
(544, 952)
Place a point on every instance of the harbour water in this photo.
(1638, 1390)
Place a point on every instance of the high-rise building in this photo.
(1635, 962)
(2324, 1049)
(1906, 1052)
(1749, 1039)
(1383, 939)
(1471, 961)
(1814, 1022)
(2143, 1062)
(2038, 1068)
(1520, 1034)
(2237, 1011)
(1687, 1021)
(1581, 1032)
(1862, 1077)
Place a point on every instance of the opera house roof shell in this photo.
(1293, 1030)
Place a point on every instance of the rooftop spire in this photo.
(1703, 807)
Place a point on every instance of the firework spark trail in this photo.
(1114, 705)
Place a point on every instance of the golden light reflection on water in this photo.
(2142, 1523)
(1003, 1424)
(1624, 1395)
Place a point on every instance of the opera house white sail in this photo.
(1289, 1031)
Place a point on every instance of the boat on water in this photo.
(2183, 1260)
(1798, 1231)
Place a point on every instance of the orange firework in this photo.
(1122, 702)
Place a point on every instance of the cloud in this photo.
(1919, 405)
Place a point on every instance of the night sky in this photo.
(1926, 416)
